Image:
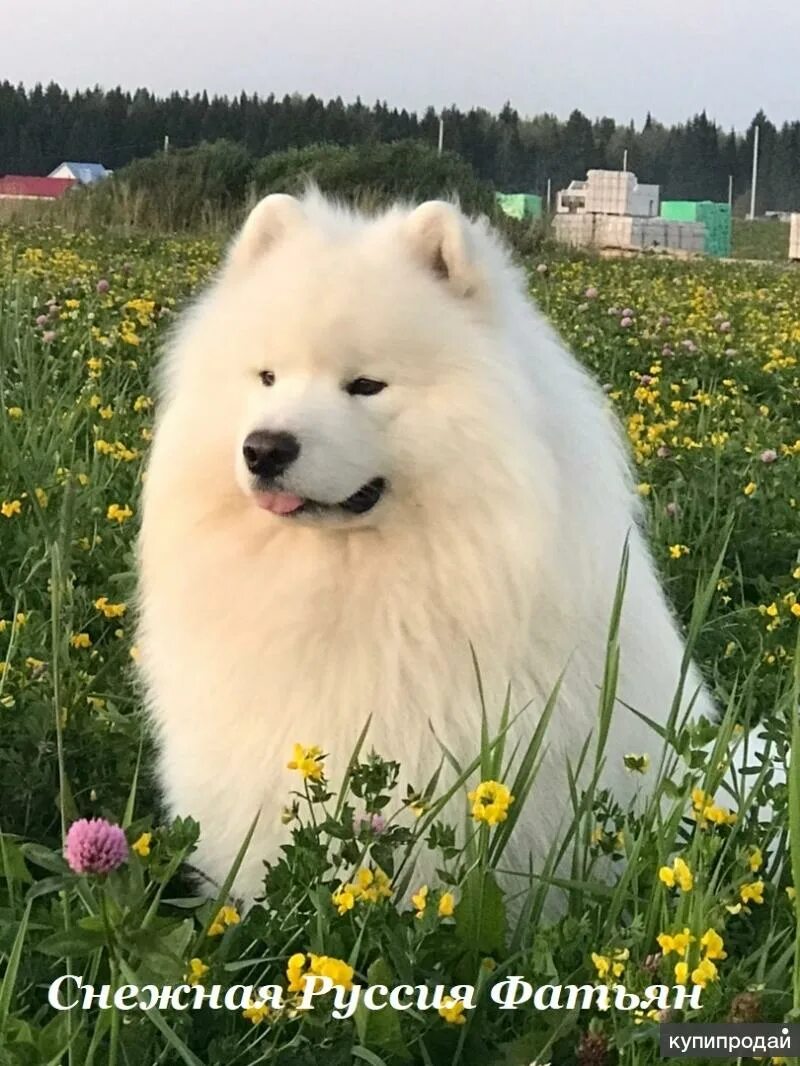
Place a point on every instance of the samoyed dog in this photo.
(373, 457)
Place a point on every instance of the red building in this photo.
(24, 187)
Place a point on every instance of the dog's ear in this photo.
(440, 240)
(271, 218)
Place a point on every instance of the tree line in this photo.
(42, 126)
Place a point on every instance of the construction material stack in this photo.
(716, 218)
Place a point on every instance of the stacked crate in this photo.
(609, 192)
(794, 237)
(715, 217)
(520, 205)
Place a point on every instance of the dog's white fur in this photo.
(509, 504)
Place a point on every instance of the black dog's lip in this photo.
(360, 502)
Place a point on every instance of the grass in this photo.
(705, 378)
(760, 239)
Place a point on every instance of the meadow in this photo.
(700, 360)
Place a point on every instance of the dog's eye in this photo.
(267, 377)
(364, 387)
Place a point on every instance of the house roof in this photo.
(85, 172)
(26, 185)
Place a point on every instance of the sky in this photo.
(607, 57)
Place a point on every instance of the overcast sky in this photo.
(606, 57)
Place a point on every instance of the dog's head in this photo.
(349, 358)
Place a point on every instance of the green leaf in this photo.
(72, 942)
(381, 1028)
(481, 914)
(12, 861)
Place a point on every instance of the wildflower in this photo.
(678, 550)
(752, 892)
(446, 905)
(344, 898)
(256, 1012)
(769, 455)
(705, 810)
(134, 653)
(14, 412)
(197, 969)
(49, 336)
(712, 944)
(678, 874)
(704, 972)
(374, 823)
(420, 900)
(80, 640)
(142, 403)
(644, 488)
(106, 412)
(490, 802)
(102, 286)
(294, 972)
(142, 845)
(308, 761)
(9, 508)
(750, 488)
(95, 846)
(452, 1010)
(340, 972)
(755, 860)
(41, 497)
(679, 942)
(225, 916)
(791, 892)
(109, 610)
(118, 513)
(681, 973)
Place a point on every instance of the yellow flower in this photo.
(106, 412)
(110, 610)
(447, 904)
(14, 412)
(134, 653)
(294, 972)
(80, 640)
(9, 508)
(752, 892)
(340, 972)
(602, 963)
(791, 892)
(677, 550)
(225, 916)
(118, 513)
(41, 497)
(704, 972)
(755, 860)
(644, 488)
(490, 802)
(678, 874)
(142, 845)
(452, 1010)
(681, 972)
(713, 944)
(197, 968)
(142, 403)
(420, 900)
(344, 898)
(256, 1013)
(750, 488)
(679, 942)
(307, 761)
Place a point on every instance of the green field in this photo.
(701, 362)
(761, 239)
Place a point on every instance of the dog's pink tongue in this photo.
(279, 502)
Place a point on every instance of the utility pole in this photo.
(754, 184)
(166, 143)
(549, 190)
(441, 133)
(625, 161)
(730, 191)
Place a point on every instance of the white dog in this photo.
(372, 456)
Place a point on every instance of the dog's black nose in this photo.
(269, 454)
